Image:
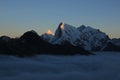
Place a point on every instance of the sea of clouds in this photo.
(102, 66)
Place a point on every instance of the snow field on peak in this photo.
(87, 37)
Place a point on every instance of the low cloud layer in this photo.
(103, 66)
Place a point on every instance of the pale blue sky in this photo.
(19, 16)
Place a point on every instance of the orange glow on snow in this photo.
(62, 25)
(49, 32)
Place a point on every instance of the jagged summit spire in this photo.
(61, 25)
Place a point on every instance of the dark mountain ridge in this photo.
(67, 40)
(30, 43)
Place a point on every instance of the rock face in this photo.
(112, 45)
(115, 41)
(30, 43)
(3, 44)
(86, 37)
(27, 44)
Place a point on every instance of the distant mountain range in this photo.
(67, 40)
(85, 36)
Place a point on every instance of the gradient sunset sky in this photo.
(19, 16)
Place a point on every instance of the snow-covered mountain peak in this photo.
(49, 32)
(48, 35)
(64, 26)
(65, 33)
(87, 37)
